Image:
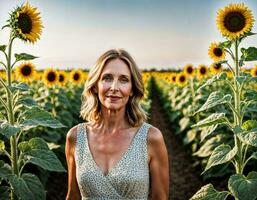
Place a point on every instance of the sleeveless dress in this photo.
(128, 179)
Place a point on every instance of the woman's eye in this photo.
(107, 78)
(124, 80)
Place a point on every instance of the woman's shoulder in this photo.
(71, 136)
(155, 136)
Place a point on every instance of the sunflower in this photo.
(234, 21)
(181, 79)
(25, 72)
(254, 71)
(173, 77)
(50, 77)
(189, 70)
(216, 68)
(26, 23)
(215, 52)
(62, 78)
(202, 71)
(76, 76)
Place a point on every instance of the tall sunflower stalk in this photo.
(20, 113)
(235, 22)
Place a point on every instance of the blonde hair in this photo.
(91, 110)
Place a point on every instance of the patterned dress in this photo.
(128, 179)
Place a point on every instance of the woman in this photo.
(116, 154)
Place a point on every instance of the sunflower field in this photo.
(213, 110)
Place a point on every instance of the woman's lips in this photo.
(113, 98)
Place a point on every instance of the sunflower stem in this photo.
(13, 143)
(237, 118)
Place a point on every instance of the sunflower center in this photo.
(182, 79)
(202, 70)
(255, 73)
(217, 66)
(234, 21)
(25, 23)
(190, 70)
(174, 78)
(76, 76)
(61, 78)
(26, 70)
(217, 52)
(51, 76)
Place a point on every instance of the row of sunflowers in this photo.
(27, 73)
(201, 72)
(216, 113)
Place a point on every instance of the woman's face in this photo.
(115, 85)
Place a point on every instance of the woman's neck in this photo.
(113, 121)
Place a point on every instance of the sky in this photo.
(160, 34)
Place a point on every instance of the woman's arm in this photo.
(73, 189)
(159, 165)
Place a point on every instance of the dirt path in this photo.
(184, 180)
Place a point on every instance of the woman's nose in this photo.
(114, 85)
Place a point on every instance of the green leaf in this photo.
(214, 99)
(218, 77)
(38, 153)
(243, 187)
(242, 79)
(3, 48)
(2, 146)
(183, 123)
(28, 187)
(216, 118)
(35, 116)
(21, 86)
(38, 143)
(45, 159)
(206, 131)
(8, 130)
(4, 193)
(5, 170)
(248, 137)
(226, 44)
(23, 146)
(28, 102)
(207, 148)
(190, 136)
(220, 155)
(249, 54)
(24, 56)
(208, 192)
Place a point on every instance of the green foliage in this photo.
(208, 192)
(35, 116)
(221, 155)
(27, 187)
(243, 187)
(24, 56)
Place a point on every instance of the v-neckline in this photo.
(119, 161)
